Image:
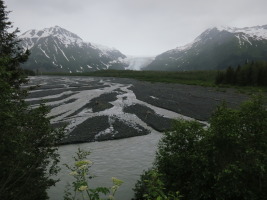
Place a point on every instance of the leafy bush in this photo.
(151, 187)
(226, 160)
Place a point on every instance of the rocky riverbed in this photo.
(97, 109)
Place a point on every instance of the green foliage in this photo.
(151, 187)
(226, 160)
(81, 173)
(28, 143)
(178, 156)
(250, 74)
(28, 151)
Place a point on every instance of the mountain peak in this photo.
(52, 31)
(65, 36)
(59, 50)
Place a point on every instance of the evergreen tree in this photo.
(249, 78)
(237, 75)
(219, 77)
(9, 47)
(27, 141)
(254, 73)
(230, 75)
(262, 75)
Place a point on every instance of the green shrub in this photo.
(226, 160)
(150, 187)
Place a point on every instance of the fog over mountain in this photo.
(140, 27)
(216, 48)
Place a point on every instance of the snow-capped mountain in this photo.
(216, 48)
(57, 50)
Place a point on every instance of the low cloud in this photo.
(139, 27)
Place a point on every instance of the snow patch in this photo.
(103, 48)
(65, 37)
(239, 39)
(56, 48)
(62, 52)
(256, 32)
(154, 97)
(54, 63)
(246, 39)
(43, 52)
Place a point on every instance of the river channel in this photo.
(120, 121)
(124, 159)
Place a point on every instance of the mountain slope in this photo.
(58, 50)
(216, 48)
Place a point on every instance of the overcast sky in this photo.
(137, 27)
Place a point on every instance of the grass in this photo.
(204, 78)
